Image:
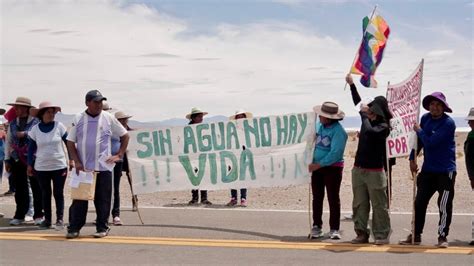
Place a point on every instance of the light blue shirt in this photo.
(330, 144)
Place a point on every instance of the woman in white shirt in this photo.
(49, 164)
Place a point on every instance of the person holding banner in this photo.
(47, 161)
(438, 173)
(327, 166)
(16, 147)
(89, 140)
(239, 114)
(469, 157)
(195, 117)
(369, 182)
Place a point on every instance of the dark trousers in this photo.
(102, 198)
(195, 193)
(427, 184)
(22, 195)
(117, 176)
(243, 193)
(329, 177)
(58, 177)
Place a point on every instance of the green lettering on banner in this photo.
(251, 130)
(246, 162)
(203, 138)
(232, 175)
(189, 139)
(282, 130)
(293, 129)
(265, 127)
(156, 172)
(297, 167)
(142, 170)
(218, 146)
(194, 178)
(149, 147)
(232, 133)
(155, 143)
(213, 167)
(166, 140)
(303, 119)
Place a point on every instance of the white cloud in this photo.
(440, 53)
(144, 62)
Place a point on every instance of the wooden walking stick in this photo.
(310, 236)
(130, 179)
(414, 176)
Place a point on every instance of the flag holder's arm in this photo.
(363, 35)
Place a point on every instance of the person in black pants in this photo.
(196, 116)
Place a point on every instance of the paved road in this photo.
(225, 237)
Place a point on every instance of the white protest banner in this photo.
(260, 152)
(404, 103)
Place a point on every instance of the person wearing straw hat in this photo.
(47, 161)
(117, 173)
(369, 181)
(88, 141)
(327, 167)
(196, 116)
(16, 148)
(436, 136)
(239, 114)
(469, 157)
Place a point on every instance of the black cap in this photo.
(94, 95)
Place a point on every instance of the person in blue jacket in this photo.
(327, 166)
(438, 173)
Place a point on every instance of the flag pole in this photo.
(130, 181)
(363, 35)
(389, 175)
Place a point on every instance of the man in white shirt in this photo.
(90, 138)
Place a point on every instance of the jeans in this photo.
(22, 196)
(102, 198)
(58, 177)
(329, 177)
(195, 194)
(243, 193)
(117, 176)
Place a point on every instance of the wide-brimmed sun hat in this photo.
(22, 101)
(241, 112)
(329, 110)
(121, 115)
(437, 96)
(47, 104)
(194, 111)
(105, 106)
(470, 116)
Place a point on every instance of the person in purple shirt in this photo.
(90, 138)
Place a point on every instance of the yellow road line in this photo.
(242, 244)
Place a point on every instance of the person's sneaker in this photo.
(243, 202)
(9, 193)
(206, 202)
(2, 215)
(232, 202)
(16, 221)
(59, 225)
(72, 234)
(39, 220)
(360, 239)
(384, 241)
(193, 202)
(316, 232)
(45, 225)
(348, 216)
(334, 234)
(408, 240)
(442, 242)
(117, 221)
(28, 218)
(101, 234)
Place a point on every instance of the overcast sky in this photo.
(158, 59)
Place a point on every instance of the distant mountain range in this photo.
(350, 122)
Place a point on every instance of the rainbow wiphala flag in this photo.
(371, 49)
